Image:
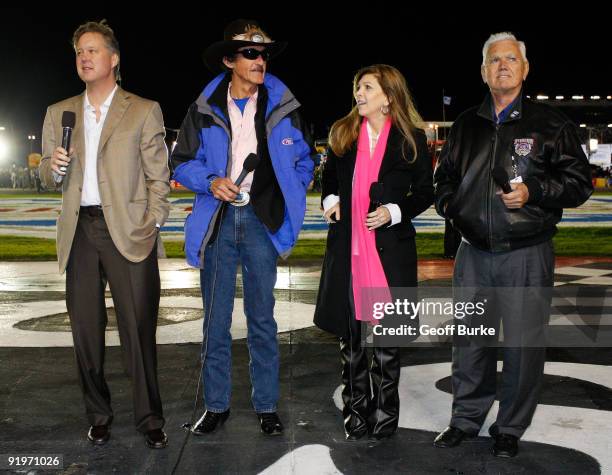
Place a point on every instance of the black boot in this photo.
(355, 388)
(209, 422)
(385, 374)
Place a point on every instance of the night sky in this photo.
(435, 48)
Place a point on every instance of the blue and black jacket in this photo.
(203, 151)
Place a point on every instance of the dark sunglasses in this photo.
(252, 53)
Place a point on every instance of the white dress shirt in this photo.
(90, 195)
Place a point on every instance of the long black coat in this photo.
(410, 186)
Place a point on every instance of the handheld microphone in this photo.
(250, 164)
(68, 122)
(500, 176)
(376, 193)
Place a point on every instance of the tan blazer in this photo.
(133, 174)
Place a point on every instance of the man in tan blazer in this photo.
(115, 183)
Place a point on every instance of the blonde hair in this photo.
(103, 28)
(402, 111)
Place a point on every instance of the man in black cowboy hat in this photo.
(243, 111)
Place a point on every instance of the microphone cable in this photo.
(188, 426)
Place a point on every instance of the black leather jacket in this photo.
(536, 142)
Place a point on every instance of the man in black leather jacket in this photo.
(506, 237)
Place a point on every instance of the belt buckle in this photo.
(242, 199)
(95, 211)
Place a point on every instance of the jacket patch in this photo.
(522, 147)
(287, 141)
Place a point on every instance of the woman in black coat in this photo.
(384, 112)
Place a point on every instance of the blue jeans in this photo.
(241, 238)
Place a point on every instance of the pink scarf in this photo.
(369, 280)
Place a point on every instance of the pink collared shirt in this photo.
(244, 138)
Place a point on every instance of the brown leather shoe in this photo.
(156, 439)
(98, 435)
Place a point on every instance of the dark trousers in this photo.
(135, 288)
(524, 316)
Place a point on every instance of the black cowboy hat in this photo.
(238, 34)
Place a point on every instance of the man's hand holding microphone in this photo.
(224, 189)
(62, 155)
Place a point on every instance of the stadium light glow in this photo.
(4, 148)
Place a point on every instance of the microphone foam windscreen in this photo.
(68, 119)
(251, 162)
